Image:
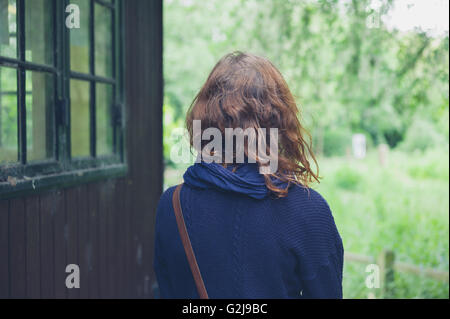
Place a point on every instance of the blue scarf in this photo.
(245, 180)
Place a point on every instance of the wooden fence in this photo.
(388, 265)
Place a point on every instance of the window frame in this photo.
(62, 170)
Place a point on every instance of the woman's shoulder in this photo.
(307, 209)
(168, 193)
(165, 202)
(311, 220)
(308, 199)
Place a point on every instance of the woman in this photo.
(254, 235)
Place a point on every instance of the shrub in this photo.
(421, 135)
(336, 141)
(347, 178)
(432, 165)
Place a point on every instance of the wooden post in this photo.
(383, 151)
(348, 153)
(386, 263)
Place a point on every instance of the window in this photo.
(61, 93)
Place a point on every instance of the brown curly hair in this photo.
(247, 91)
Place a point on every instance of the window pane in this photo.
(104, 129)
(103, 41)
(79, 118)
(8, 116)
(39, 31)
(79, 40)
(39, 105)
(8, 28)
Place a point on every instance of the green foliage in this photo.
(391, 209)
(347, 178)
(422, 135)
(336, 142)
(173, 125)
(432, 164)
(343, 72)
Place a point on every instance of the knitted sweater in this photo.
(248, 244)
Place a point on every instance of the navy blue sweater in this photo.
(248, 244)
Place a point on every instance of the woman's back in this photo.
(256, 228)
(248, 244)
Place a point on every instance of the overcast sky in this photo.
(430, 15)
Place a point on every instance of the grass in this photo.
(403, 206)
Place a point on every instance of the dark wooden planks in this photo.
(4, 249)
(93, 241)
(17, 249)
(105, 227)
(83, 241)
(129, 240)
(60, 242)
(144, 133)
(119, 271)
(71, 208)
(33, 248)
(126, 241)
(47, 268)
(152, 183)
(106, 256)
(112, 252)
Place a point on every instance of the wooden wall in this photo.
(105, 227)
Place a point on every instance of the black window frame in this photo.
(63, 170)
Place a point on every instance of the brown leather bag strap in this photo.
(187, 244)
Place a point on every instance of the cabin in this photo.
(81, 161)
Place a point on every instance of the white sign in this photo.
(359, 146)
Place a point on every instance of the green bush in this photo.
(336, 141)
(430, 165)
(421, 135)
(347, 178)
(387, 209)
